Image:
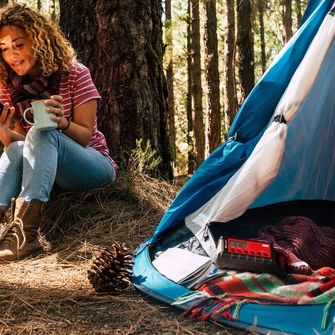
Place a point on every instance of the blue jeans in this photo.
(30, 168)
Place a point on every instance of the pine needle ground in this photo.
(51, 294)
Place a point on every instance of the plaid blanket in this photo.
(224, 295)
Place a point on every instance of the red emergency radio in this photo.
(249, 255)
(247, 247)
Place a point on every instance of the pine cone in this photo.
(111, 269)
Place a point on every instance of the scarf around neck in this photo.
(25, 89)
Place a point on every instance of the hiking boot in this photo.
(6, 215)
(20, 237)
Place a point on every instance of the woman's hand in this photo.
(7, 135)
(80, 127)
(55, 105)
(6, 116)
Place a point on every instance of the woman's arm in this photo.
(7, 135)
(81, 126)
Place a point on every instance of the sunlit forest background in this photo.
(213, 53)
(249, 32)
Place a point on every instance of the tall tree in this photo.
(298, 11)
(287, 19)
(39, 5)
(191, 165)
(245, 47)
(169, 75)
(53, 11)
(230, 100)
(212, 75)
(196, 88)
(121, 42)
(260, 6)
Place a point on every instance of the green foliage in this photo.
(49, 8)
(142, 160)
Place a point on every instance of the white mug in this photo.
(41, 117)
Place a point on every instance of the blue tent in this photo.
(305, 175)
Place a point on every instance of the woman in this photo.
(38, 63)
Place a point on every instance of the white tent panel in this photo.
(244, 186)
(307, 71)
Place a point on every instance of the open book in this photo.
(184, 267)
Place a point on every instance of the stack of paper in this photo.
(183, 266)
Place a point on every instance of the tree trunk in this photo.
(169, 76)
(230, 100)
(53, 11)
(121, 42)
(3, 3)
(212, 76)
(298, 11)
(190, 141)
(261, 33)
(197, 111)
(245, 48)
(39, 5)
(287, 19)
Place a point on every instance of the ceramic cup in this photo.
(41, 117)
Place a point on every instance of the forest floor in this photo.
(51, 294)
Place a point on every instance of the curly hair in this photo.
(53, 50)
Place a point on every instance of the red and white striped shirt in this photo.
(76, 87)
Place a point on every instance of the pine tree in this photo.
(212, 76)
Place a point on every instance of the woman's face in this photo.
(17, 52)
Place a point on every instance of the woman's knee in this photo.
(34, 135)
(15, 149)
